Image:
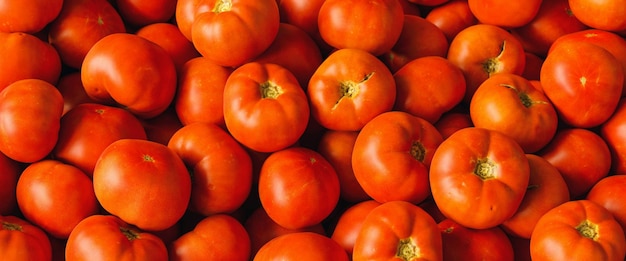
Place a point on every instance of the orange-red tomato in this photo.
(504, 14)
(28, 16)
(607, 193)
(169, 37)
(452, 17)
(140, 13)
(614, 136)
(304, 246)
(608, 15)
(20, 240)
(350, 223)
(462, 243)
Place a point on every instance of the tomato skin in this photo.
(603, 15)
(452, 17)
(215, 237)
(265, 108)
(452, 121)
(505, 15)
(614, 136)
(392, 156)
(105, 237)
(10, 171)
(577, 230)
(31, 112)
(298, 187)
(140, 13)
(303, 14)
(169, 37)
(144, 82)
(479, 163)
(350, 223)
(398, 229)
(305, 246)
(606, 194)
(461, 243)
(55, 196)
(350, 88)
(72, 90)
(28, 16)
(22, 240)
(143, 182)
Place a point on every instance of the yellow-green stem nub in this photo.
(588, 229)
(485, 169)
(407, 250)
(269, 90)
(222, 6)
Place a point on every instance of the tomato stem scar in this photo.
(11, 226)
(485, 169)
(407, 250)
(588, 229)
(129, 233)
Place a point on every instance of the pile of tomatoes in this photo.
(312, 130)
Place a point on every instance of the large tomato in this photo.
(350, 223)
(143, 182)
(80, 25)
(55, 196)
(21, 240)
(140, 13)
(169, 37)
(398, 230)
(452, 17)
(392, 156)
(10, 171)
(304, 14)
(131, 71)
(479, 177)
(612, 131)
(107, 237)
(578, 230)
(606, 193)
(28, 16)
(298, 187)
(72, 90)
(608, 15)
(264, 107)
(504, 14)
(510, 104)
(350, 88)
(31, 112)
(462, 243)
(302, 246)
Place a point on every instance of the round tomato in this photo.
(607, 193)
(21, 240)
(298, 187)
(392, 155)
(452, 17)
(143, 182)
(398, 229)
(31, 112)
(142, 12)
(303, 14)
(131, 71)
(28, 16)
(169, 37)
(107, 237)
(608, 15)
(303, 246)
(10, 171)
(461, 243)
(577, 230)
(614, 136)
(264, 107)
(452, 121)
(72, 90)
(350, 88)
(504, 14)
(161, 128)
(476, 163)
(350, 223)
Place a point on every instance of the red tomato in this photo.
(428, 87)
(161, 128)
(106, 237)
(504, 14)
(546, 190)
(88, 129)
(31, 112)
(28, 16)
(55, 196)
(216, 237)
(221, 168)
(20, 240)
(265, 108)
(392, 156)
(452, 17)
(214, 23)
(143, 182)
(614, 136)
(510, 104)
(350, 223)
(581, 156)
(573, 86)
(142, 12)
(577, 230)
(80, 25)
(169, 37)
(608, 15)
(461, 243)
(476, 163)
(131, 71)
(350, 88)
(298, 187)
(452, 121)
(72, 90)
(25, 56)
(607, 193)
(10, 171)
(303, 246)
(375, 30)
(398, 229)
(303, 14)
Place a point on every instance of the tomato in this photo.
(504, 14)
(80, 25)
(350, 88)
(398, 229)
(375, 30)
(265, 108)
(28, 16)
(55, 196)
(303, 14)
(10, 171)
(581, 156)
(461, 243)
(483, 50)
(298, 187)
(452, 121)
(577, 230)
(72, 90)
(510, 104)
(350, 223)
(161, 128)
(213, 23)
(143, 182)
(216, 237)
(31, 112)
(221, 168)
(452, 17)
(546, 190)
(304, 246)
(87, 129)
(105, 237)
(337, 148)
(606, 193)
(419, 38)
(607, 15)
(169, 37)
(614, 136)
(21, 240)
(140, 13)
(392, 156)
(144, 82)
(25, 56)
(428, 87)
(572, 86)
(477, 163)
